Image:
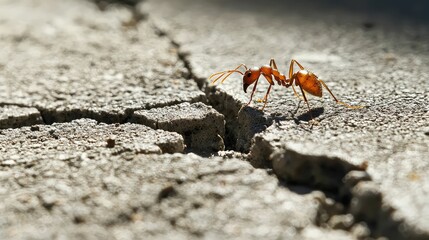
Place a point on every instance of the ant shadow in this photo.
(313, 113)
(309, 115)
(304, 117)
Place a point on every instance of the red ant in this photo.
(306, 80)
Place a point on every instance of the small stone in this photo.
(166, 193)
(343, 222)
(111, 142)
(34, 128)
(79, 219)
(360, 231)
(8, 163)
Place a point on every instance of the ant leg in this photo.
(251, 96)
(296, 94)
(253, 91)
(306, 101)
(299, 65)
(273, 64)
(336, 100)
(290, 84)
(280, 78)
(266, 97)
(305, 98)
(269, 79)
(271, 82)
(291, 69)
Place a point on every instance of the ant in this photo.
(306, 80)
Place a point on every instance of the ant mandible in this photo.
(306, 80)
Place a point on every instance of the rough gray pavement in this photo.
(84, 134)
(96, 196)
(72, 61)
(105, 104)
(202, 127)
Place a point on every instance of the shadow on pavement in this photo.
(392, 10)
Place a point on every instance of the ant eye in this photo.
(248, 74)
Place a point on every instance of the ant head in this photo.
(250, 76)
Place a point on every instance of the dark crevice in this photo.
(20, 121)
(223, 103)
(44, 119)
(3, 104)
(53, 116)
(50, 116)
(183, 58)
(104, 4)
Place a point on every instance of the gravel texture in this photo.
(71, 60)
(130, 196)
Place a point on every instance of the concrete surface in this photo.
(151, 196)
(73, 61)
(202, 127)
(85, 134)
(100, 100)
(14, 116)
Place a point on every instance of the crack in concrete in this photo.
(182, 56)
(49, 117)
(347, 207)
(349, 200)
(241, 124)
(200, 125)
(26, 116)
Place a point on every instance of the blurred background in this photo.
(397, 9)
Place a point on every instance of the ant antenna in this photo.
(228, 73)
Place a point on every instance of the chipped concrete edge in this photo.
(349, 184)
